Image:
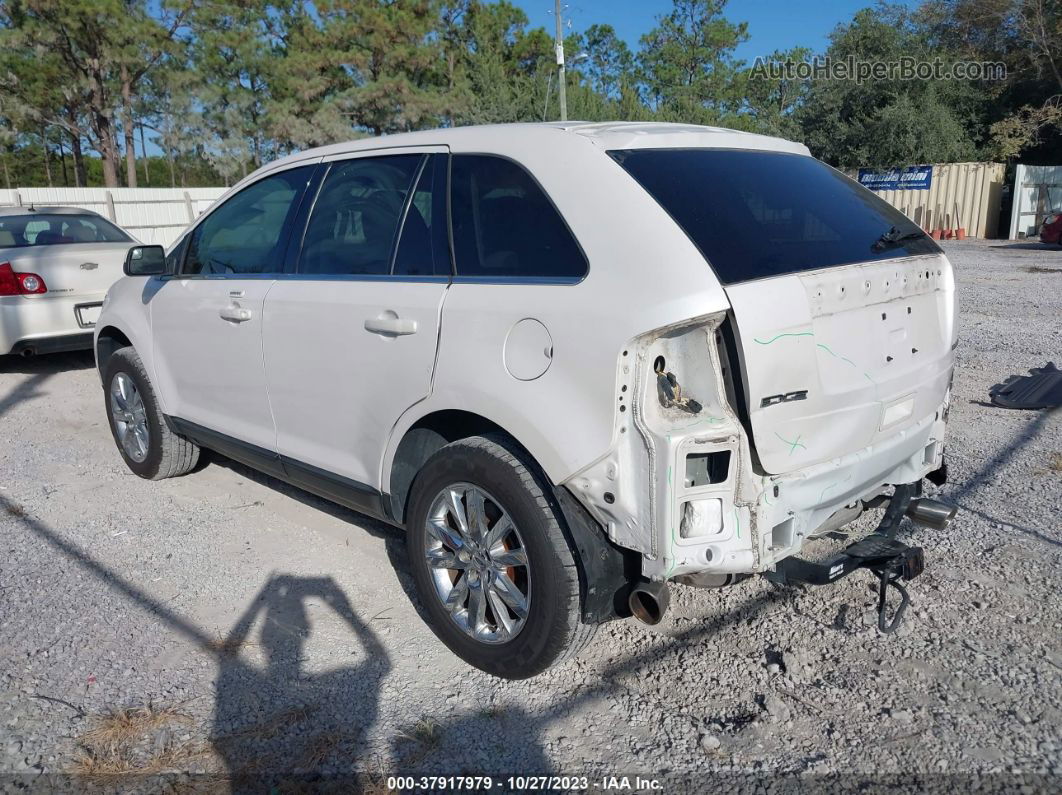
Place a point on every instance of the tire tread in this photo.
(179, 455)
(577, 635)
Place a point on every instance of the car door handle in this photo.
(235, 313)
(389, 323)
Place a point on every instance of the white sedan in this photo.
(56, 264)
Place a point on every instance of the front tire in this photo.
(148, 446)
(495, 574)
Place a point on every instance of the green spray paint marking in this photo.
(766, 499)
(709, 420)
(779, 336)
(847, 360)
(834, 485)
(835, 355)
(793, 445)
(737, 520)
(818, 344)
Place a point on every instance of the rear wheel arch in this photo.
(605, 570)
(422, 440)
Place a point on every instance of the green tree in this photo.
(392, 68)
(1023, 114)
(687, 63)
(610, 63)
(890, 121)
(232, 56)
(772, 103)
(96, 52)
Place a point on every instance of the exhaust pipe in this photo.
(649, 601)
(27, 353)
(931, 513)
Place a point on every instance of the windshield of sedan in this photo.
(757, 214)
(43, 229)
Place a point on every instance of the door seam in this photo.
(265, 368)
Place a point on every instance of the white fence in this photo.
(1037, 193)
(152, 215)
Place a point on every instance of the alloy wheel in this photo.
(130, 417)
(478, 563)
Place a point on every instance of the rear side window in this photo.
(504, 225)
(760, 214)
(41, 229)
(357, 214)
(245, 234)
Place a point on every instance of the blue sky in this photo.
(773, 24)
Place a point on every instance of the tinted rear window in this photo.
(42, 229)
(759, 214)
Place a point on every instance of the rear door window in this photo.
(505, 227)
(423, 247)
(355, 221)
(760, 214)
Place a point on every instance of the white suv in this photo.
(575, 361)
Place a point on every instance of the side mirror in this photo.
(145, 261)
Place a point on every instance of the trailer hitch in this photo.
(889, 559)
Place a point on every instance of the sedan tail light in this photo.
(12, 283)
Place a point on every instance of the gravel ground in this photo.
(224, 629)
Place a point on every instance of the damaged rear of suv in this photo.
(576, 362)
(820, 392)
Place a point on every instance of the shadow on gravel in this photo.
(26, 390)
(992, 467)
(282, 721)
(277, 726)
(373, 527)
(280, 727)
(48, 363)
(39, 369)
(1012, 525)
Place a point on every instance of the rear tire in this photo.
(148, 446)
(521, 631)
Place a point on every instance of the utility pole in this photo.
(560, 63)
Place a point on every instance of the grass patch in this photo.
(228, 647)
(319, 748)
(425, 731)
(135, 742)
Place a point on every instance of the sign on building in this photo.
(907, 178)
